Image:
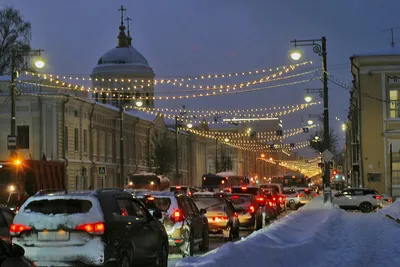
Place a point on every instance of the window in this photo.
(125, 207)
(76, 139)
(85, 141)
(140, 211)
(23, 136)
(59, 206)
(66, 138)
(394, 106)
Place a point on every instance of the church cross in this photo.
(128, 19)
(122, 9)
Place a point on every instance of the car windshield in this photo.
(59, 206)
(154, 203)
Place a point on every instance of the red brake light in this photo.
(178, 187)
(235, 197)
(16, 229)
(306, 190)
(315, 195)
(252, 209)
(150, 198)
(390, 200)
(378, 197)
(274, 199)
(300, 195)
(260, 199)
(222, 218)
(177, 216)
(270, 203)
(235, 215)
(92, 228)
(244, 188)
(124, 212)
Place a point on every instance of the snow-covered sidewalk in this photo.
(317, 235)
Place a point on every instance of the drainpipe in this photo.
(361, 173)
(91, 145)
(64, 154)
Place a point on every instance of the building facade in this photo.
(373, 129)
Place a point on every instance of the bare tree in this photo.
(162, 153)
(15, 33)
(317, 141)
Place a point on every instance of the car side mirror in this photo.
(157, 214)
(203, 211)
(17, 250)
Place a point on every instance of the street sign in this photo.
(332, 164)
(327, 155)
(102, 171)
(12, 142)
(340, 168)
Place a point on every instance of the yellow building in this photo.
(373, 130)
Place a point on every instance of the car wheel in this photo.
(124, 260)
(205, 243)
(259, 223)
(292, 205)
(162, 257)
(365, 207)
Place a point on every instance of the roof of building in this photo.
(123, 55)
(395, 51)
(142, 115)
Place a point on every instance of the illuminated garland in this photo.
(228, 92)
(175, 79)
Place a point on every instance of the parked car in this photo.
(185, 224)
(305, 195)
(89, 228)
(363, 199)
(250, 213)
(221, 215)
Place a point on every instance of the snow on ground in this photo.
(317, 235)
(392, 210)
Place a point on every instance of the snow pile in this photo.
(392, 210)
(317, 235)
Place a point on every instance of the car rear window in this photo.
(59, 206)
(210, 204)
(275, 187)
(289, 191)
(240, 201)
(248, 190)
(160, 203)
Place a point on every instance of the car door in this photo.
(189, 215)
(197, 219)
(145, 232)
(122, 221)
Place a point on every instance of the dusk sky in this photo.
(181, 37)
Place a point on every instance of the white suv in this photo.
(363, 199)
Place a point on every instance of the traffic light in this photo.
(334, 172)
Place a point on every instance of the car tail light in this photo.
(252, 209)
(177, 216)
(274, 199)
(92, 228)
(300, 195)
(235, 197)
(124, 212)
(260, 199)
(235, 214)
(270, 203)
(178, 187)
(378, 197)
(150, 198)
(315, 195)
(16, 229)
(390, 199)
(218, 219)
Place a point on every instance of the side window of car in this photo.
(126, 208)
(193, 206)
(139, 209)
(187, 205)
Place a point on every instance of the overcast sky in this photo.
(185, 37)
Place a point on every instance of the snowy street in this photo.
(215, 242)
(320, 234)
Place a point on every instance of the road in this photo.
(215, 242)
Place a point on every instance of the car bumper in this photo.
(246, 220)
(92, 253)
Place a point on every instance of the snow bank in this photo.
(392, 210)
(317, 235)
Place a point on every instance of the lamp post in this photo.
(39, 63)
(319, 47)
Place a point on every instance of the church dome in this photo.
(124, 55)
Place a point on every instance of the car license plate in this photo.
(53, 236)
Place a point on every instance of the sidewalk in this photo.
(317, 235)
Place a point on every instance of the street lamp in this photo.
(310, 122)
(319, 47)
(308, 98)
(295, 55)
(39, 63)
(189, 125)
(139, 103)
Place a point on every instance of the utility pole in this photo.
(13, 98)
(176, 150)
(216, 155)
(121, 142)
